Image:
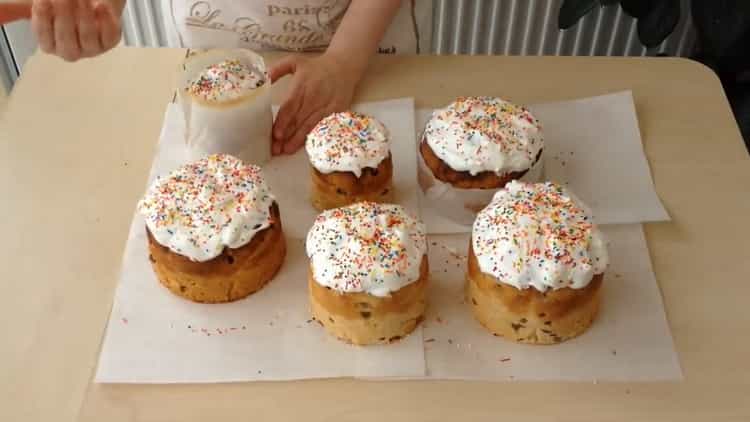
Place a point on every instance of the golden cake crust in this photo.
(233, 275)
(528, 315)
(339, 189)
(362, 318)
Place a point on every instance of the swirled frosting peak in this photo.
(203, 207)
(538, 235)
(347, 142)
(366, 247)
(478, 134)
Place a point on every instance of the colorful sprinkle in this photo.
(347, 141)
(478, 134)
(366, 247)
(538, 235)
(225, 81)
(204, 206)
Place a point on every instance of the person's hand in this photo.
(75, 29)
(320, 86)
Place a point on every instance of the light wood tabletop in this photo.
(76, 144)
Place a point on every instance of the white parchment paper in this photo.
(242, 129)
(629, 341)
(154, 336)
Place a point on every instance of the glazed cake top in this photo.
(366, 247)
(347, 142)
(478, 134)
(205, 206)
(538, 235)
(225, 81)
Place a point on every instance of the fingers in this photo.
(298, 138)
(284, 124)
(110, 29)
(10, 12)
(66, 35)
(73, 29)
(285, 118)
(88, 31)
(277, 146)
(42, 14)
(287, 65)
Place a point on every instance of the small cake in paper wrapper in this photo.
(226, 99)
(472, 148)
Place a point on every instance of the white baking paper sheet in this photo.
(629, 341)
(227, 128)
(594, 146)
(154, 336)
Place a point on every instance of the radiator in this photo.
(142, 24)
(519, 27)
(529, 27)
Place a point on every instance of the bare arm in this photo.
(360, 31)
(326, 84)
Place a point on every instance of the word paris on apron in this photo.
(294, 25)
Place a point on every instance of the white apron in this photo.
(293, 25)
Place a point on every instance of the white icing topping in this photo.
(347, 142)
(203, 207)
(538, 235)
(478, 134)
(366, 247)
(226, 81)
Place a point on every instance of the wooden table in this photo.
(76, 143)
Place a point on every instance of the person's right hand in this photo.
(75, 29)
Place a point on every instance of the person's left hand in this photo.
(320, 86)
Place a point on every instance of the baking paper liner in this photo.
(241, 128)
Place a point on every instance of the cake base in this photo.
(339, 189)
(233, 275)
(363, 319)
(463, 179)
(528, 315)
